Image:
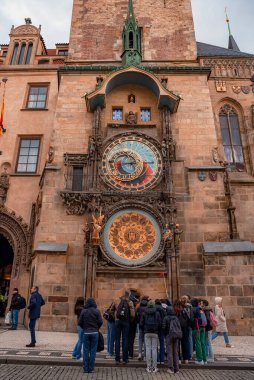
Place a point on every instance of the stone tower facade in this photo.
(148, 182)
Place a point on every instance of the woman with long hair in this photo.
(79, 306)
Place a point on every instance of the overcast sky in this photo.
(209, 18)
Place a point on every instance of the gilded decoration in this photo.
(132, 236)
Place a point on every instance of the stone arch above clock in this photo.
(132, 75)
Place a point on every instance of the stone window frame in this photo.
(145, 108)
(28, 137)
(25, 58)
(247, 164)
(26, 98)
(117, 108)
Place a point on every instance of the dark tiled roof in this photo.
(206, 50)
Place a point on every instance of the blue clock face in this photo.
(131, 163)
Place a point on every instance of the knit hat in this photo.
(151, 304)
(217, 300)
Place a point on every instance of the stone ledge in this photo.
(234, 247)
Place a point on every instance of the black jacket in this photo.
(150, 310)
(90, 319)
(186, 318)
(207, 314)
(15, 302)
(141, 310)
(34, 307)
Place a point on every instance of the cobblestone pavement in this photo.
(8, 372)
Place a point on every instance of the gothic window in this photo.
(29, 53)
(37, 96)
(117, 113)
(77, 178)
(28, 155)
(145, 114)
(231, 138)
(131, 40)
(14, 54)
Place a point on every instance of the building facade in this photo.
(127, 162)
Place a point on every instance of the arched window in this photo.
(21, 54)
(29, 53)
(131, 40)
(14, 54)
(231, 138)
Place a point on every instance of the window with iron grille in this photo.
(28, 155)
(37, 96)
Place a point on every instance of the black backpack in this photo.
(151, 322)
(22, 303)
(175, 330)
(123, 310)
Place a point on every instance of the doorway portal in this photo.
(6, 262)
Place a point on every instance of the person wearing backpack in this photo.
(185, 315)
(151, 323)
(17, 303)
(199, 332)
(140, 310)
(171, 328)
(109, 315)
(162, 312)
(221, 328)
(124, 313)
(209, 329)
(78, 308)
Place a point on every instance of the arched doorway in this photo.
(6, 262)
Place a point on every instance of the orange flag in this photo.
(2, 129)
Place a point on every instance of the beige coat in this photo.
(220, 315)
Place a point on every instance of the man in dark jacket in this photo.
(90, 321)
(151, 322)
(141, 308)
(15, 308)
(162, 312)
(34, 307)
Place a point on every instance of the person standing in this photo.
(140, 309)
(124, 314)
(34, 307)
(221, 328)
(200, 325)
(208, 331)
(171, 328)
(151, 322)
(90, 321)
(186, 318)
(162, 312)
(79, 306)
(15, 307)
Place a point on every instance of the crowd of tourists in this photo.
(165, 332)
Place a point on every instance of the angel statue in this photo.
(97, 227)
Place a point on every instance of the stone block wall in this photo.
(232, 277)
(96, 30)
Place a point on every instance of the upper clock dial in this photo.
(131, 163)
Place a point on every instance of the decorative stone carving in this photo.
(131, 98)
(25, 30)
(131, 118)
(215, 155)
(177, 234)
(213, 176)
(236, 89)
(167, 234)
(75, 159)
(16, 231)
(202, 176)
(220, 86)
(51, 155)
(4, 186)
(38, 207)
(245, 89)
(252, 115)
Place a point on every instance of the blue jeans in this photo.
(77, 349)
(111, 332)
(161, 352)
(32, 324)
(209, 347)
(14, 318)
(122, 330)
(225, 335)
(89, 351)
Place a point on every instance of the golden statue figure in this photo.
(167, 234)
(97, 227)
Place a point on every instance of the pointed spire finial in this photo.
(228, 21)
(130, 9)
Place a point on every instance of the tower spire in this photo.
(232, 45)
(131, 39)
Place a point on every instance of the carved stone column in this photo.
(91, 253)
(230, 209)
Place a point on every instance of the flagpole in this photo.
(2, 129)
